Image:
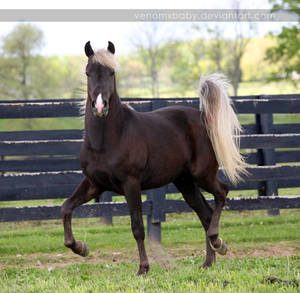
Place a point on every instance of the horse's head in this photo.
(100, 72)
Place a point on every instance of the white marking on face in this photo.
(99, 104)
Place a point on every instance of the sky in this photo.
(68, 38)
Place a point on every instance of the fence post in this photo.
(106, 197)
(157, 197)
(267, 156)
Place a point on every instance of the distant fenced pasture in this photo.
(43, 164)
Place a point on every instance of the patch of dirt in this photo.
(166, 257)
(157, 254)
(50, 261)
(282, 248)
(274, 249)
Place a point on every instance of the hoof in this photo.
(81, 248)
(143, 270)
(222, 250)
(206, 265)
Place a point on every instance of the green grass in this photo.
(278, 118)
(33, 258)
(286, 118)
(230, 275)
(41, 124)
(46, 236)
(59, 201)
(264, 88)
(245, 89)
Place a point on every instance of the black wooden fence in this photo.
(44, 164)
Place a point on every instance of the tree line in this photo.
(155, 64)
(25, 74)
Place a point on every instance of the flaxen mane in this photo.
(105, 58)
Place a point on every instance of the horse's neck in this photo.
(101, 133)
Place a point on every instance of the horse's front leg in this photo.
(83, 193)
(132, 191)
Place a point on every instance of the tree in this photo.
(148, 40)
(216, 46)
(20, 47)
(236, 48)
(130, 77)
(254, 55)
(25, 74)
(286, 52)
(179, 63)
(224, 54)
(184, 62)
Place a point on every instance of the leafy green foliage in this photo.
(20, 46)
(23, 42)
(27, 75)
(167, 68)
(286, 52)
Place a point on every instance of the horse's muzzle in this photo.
(100, 106)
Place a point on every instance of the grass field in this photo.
(263, 256)
(245, 88)
(33, 258)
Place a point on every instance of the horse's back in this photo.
(173, 117)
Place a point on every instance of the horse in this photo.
(126, 151)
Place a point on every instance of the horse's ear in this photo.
(88, 49)
(111, 47)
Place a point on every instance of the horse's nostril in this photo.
(105, 104)
(93, 104)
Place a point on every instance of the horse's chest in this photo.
(102, 170)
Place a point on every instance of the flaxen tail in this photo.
(222, 125)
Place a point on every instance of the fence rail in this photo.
(43, 164)
(72, 107)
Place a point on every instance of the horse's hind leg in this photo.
(83, 193)
(195, 199)
(219, 191)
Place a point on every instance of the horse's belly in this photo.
(163, 173)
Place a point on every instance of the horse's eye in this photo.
(112, 73)
(87, 74)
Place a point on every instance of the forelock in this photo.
(104, 57)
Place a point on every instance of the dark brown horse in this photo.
(126, 152)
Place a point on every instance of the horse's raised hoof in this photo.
(222, 249)
(81, 248)
(143, 270)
